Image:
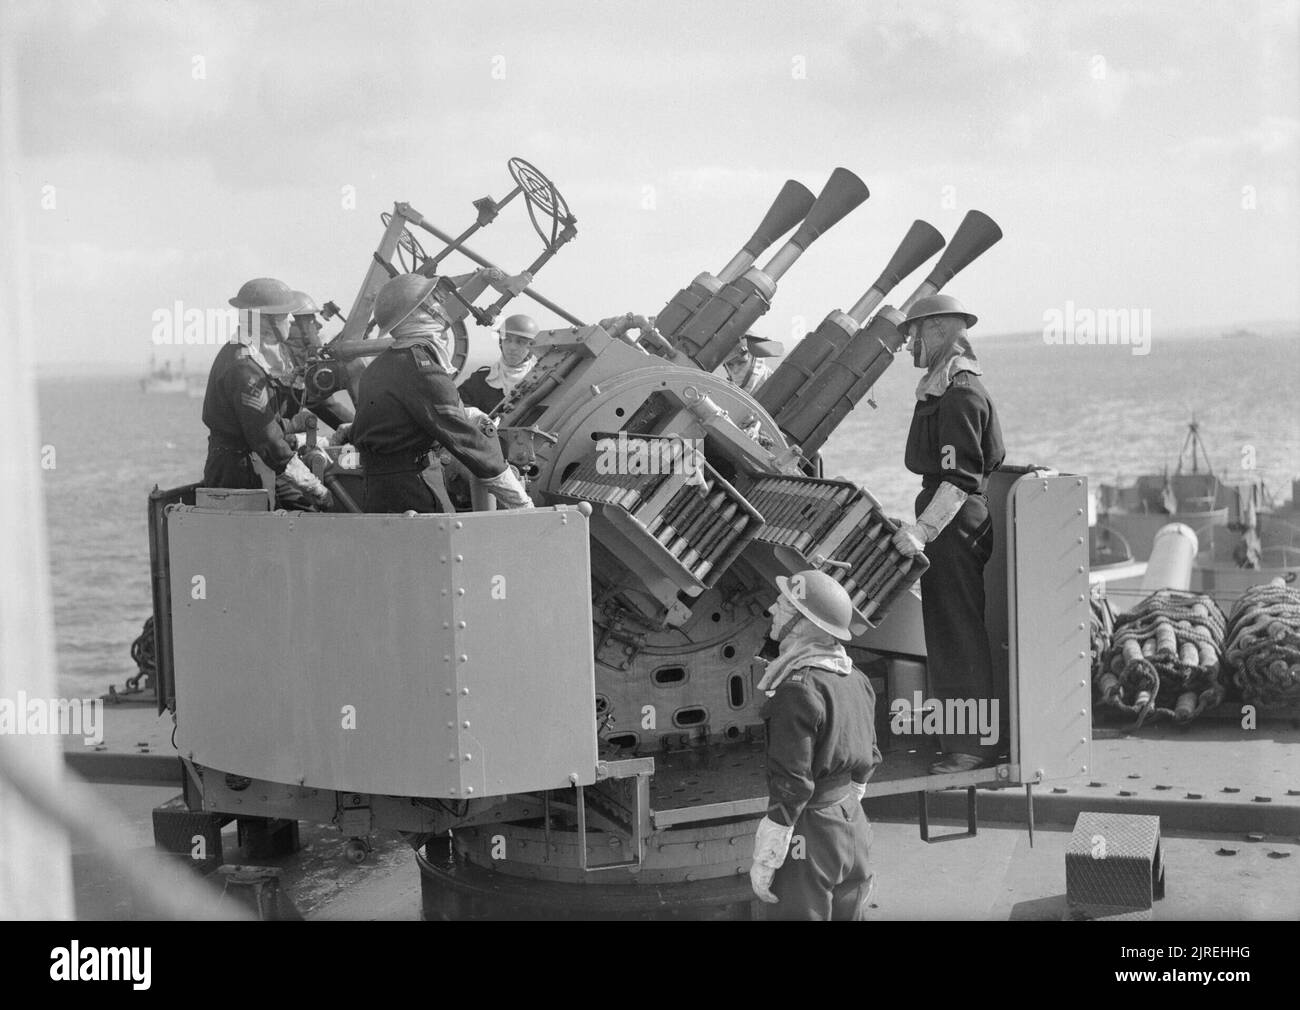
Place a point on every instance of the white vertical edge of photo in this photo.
(35, 859)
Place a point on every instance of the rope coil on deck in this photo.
(1263, 644)
(1101, 626)
(142, 652)
(1164, 658)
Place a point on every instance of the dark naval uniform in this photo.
(821, 736)
(406, 406)
(242, 408)
(475, 391)
(960, 429)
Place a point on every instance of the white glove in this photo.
(859, 790)
(771, 843)
(909, 540)
(484, 422)
(342, 435)
(508, 489)
(307, 482)
(946, 503)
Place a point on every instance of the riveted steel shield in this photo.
(443, 656)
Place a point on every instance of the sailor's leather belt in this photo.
(223, 444)
(396, 462)
(830, 791)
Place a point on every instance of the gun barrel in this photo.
(789, 208)
(843, 192)
(974, 236)
(801, 364)
(826, 399)
(920, 243)
(350, 350)
(833, 335)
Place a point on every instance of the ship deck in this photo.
(1228, 799)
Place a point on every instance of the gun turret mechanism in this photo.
(622, 730)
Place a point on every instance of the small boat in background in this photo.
(164, 379)
(1241, 334)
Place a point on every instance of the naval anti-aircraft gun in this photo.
(558, 706)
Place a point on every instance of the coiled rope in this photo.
(1101, 627)
(1164, 658)
(142, 652)
(1263, 644)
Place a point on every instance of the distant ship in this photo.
(1241, 334)
(1244, 539)
(164, 379)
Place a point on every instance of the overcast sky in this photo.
(1137, 155)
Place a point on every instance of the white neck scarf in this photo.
(757, 375)
(255, 351)
(432, 333)
(805, 645)
(957, 357)
(505, 378)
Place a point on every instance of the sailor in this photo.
(245, 403)
(407, 405)
(491, 384)
(811, 850)
(304, 332)
(954, 444)
(746, 367)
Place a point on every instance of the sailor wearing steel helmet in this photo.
(745, 367)
(491, 384)
(244, 404)
(954, 443)
(407, 404)
(304, 332)
(811, 850)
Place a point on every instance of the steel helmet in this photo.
(266, 294)
(303, 304)
(937, 305)
(762, 348)
(399, 297)
(820, 599)
(520, 326)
